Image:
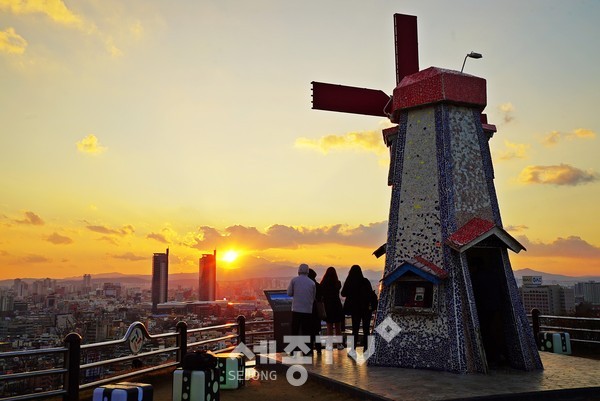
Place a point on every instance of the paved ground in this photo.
(271, 386)
(563, 376)
(335, 376)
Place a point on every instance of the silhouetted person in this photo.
(357, 290)
(316, 318)
(303, 291)
(330, 288)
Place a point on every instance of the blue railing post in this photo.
(72, 363)
(181, 340)
(535, 320)
(241, 320)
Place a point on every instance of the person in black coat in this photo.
(359, 304)
(316, 319)
(330, 288)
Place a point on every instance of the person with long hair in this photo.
(330, 289)
(358, 304)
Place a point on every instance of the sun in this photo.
(230, 256)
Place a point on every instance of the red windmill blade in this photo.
(373, 102)
(407, 46)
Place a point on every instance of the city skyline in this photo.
(129, 128)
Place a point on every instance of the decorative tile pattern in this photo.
(434, 85)
(442, 178)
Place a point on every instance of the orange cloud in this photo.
(157, 237)
(35, 259)
(166, 236)
(562, 174)
(125, 230)
(572, 247)
(58, 239)
(108, 239)
(281, 236)
(31, 219)
(129, 256)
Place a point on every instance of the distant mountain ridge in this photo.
(277, 271)
(550, 278)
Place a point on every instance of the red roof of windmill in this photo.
(437, 271)
(478, 229)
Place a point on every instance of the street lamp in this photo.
(471, 55)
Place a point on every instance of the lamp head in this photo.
(471, 55)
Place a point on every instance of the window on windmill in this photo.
(413, 291)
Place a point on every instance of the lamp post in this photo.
(471, 55)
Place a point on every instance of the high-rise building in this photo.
(588, 292)
(160, 279)
(552, 300)
(21, 288)
(87, 283)
(207, 277)
(7, 299)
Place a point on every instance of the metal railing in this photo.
(581, 329)
(78, 367)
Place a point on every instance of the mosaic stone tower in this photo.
(448, 296)
(448, 286)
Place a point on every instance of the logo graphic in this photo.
(136, 340)
(388, 329)
(296, 352)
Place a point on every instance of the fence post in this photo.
(72, 363)
(181, 341)
(535, 320)
(241, 320)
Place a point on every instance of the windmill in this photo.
(448, 297)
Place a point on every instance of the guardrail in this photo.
(65, 371)
(581, 329)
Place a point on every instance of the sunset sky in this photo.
(131, 126)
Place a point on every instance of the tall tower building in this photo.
(20, 288)
(160, 279)
(87, 283)
(207, 277)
